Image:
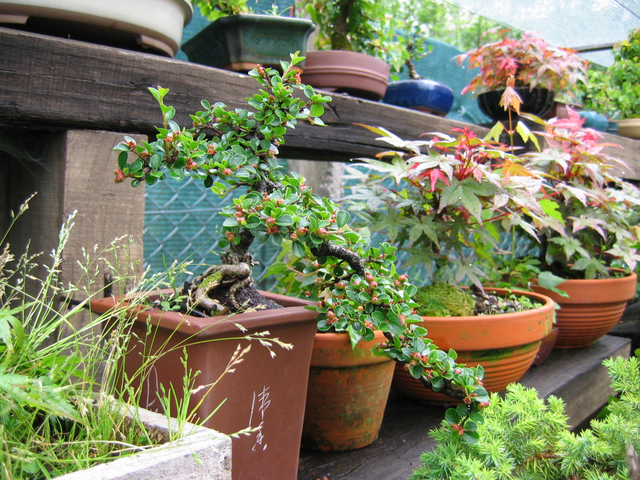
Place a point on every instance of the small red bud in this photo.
(119, 176)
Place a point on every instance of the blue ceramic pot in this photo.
(594, 120)
(426, 95)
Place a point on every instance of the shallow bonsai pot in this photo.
(154, 25)
(347, 394)
(538, 102)
(592, 308)
(261, 391)
(629, 127)
(424, 95)
(241, 42)
(354, 73)
(505, 345)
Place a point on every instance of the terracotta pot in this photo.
(592, 309)
(546, 346)
(505, 345)
(154, 25)
(241, 42)
(354, 73)
(261, 391)
(347, 394)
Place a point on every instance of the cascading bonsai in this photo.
(360, 288)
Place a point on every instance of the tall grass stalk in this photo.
(63, 387)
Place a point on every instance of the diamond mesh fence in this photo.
(182, 223)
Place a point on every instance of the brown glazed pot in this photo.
(505, 345)
(261, 391)
(592, 308)
(347, 394)
(340, 71)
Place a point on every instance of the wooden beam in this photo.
(54, 83)
(49, 82)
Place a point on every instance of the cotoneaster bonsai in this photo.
(362, 290)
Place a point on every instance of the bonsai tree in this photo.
(360, 287)
(214, 9)
(414, 33)
(530, 60)
(445, 200)
(595, 211)
(614, 92)
(364, 26)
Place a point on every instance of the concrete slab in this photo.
(203, 454)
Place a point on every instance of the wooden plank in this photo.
(58, 83)
(49, 82)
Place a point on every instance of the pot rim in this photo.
(293, 311)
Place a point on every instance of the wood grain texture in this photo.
(405, 429)
(53, 83)
(49, 82)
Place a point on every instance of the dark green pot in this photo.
(240, 42)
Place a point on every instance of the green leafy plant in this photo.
(526, 437)
(365, 26)
(445, 200)
(214, 9)
(615, 92)
(358, 287)
(594, 212)
(66, 401)
(530, 61)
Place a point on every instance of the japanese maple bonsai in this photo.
(363, 292)
(444, 202)
(592, 243)
(542, 73)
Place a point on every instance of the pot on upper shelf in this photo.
(263, 391)
(153, 25)
(420, 94)
(342, 71)
(504, 344)
(241, 42)
(629, 127)
(592, 308)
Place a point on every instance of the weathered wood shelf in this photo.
(576, 376)
(53, 83)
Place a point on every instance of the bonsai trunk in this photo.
(339, 38)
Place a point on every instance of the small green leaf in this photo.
(342, 218)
